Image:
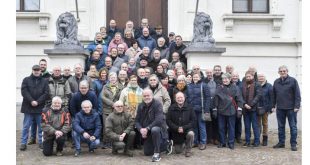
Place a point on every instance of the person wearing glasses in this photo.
(119, 130)
(286, 103)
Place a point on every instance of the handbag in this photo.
(261, 111)
(204, 116)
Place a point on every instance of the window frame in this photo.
(22, 7)
(250, 7)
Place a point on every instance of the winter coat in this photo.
(286, 93)
(143, 83)
(146, 42)
(164, 52)
(180, 117)
(227, 99)
(55, 120)
(34, 89)
(149, 116)
(78, 98)
(162, 95)
(111, 32)
(114, 44)
(118, 123)
(179, 49)
(99, 63)
(92, 46)
(108, 99)
(131, 99)
(59, 87)
(98, 85)
(89, 123)
(258, 94)
(193, 94)
(267, 98)
(74, 82)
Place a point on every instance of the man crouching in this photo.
(181, 120)
(119, 129)
(55, 124)
(86, 128)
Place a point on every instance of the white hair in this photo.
(84, 83)
(86, 102)
(57, 98)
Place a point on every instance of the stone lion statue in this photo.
(203, 29)
(67, 30)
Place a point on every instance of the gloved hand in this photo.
(214, 113)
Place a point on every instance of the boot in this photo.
(265, 140)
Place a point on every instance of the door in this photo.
(123, 10)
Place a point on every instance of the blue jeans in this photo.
(250, 118)
(226, 122)
(78, 138)
(292, 121)
(28, 120)
(33, 129)
(200, 130)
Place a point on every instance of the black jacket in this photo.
(34, 89)
(180, 117)
(286, 93)
(224, 97)
(179, 49)
(149, 116)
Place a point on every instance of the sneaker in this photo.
(246, 145)
(156, 158)
(294, 148)
(77, 153)
(169, 147)
(41, 146)
(32, 141)
(279, 145)
(59, 153)
(23, 147)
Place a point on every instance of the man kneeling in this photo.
(153, 128)
(55, 124)
(181, 119)
(86, 128)
(119, 129)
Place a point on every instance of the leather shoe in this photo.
(279, 145)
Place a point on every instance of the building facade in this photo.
(260, 33)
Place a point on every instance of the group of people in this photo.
(137, 91)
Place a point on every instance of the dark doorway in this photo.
(123, 10)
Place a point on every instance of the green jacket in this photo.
(118, 123)
(55, 120)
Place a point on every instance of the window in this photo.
(250, 6)
(27, 5)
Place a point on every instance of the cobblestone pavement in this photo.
(212, 155)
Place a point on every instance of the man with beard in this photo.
(178, 46)
(159, 33)
(155, 60)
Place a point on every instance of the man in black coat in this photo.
(287, 103)
(35, 92)
(151, 124)
(181, 119)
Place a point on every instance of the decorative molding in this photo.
(276, 19)
(43, 19)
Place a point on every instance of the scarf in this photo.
(181, 86)
(134, 98)
(248, 91)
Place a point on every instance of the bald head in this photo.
(147, 95)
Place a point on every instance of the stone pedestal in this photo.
(205, 57)
(66, 57)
